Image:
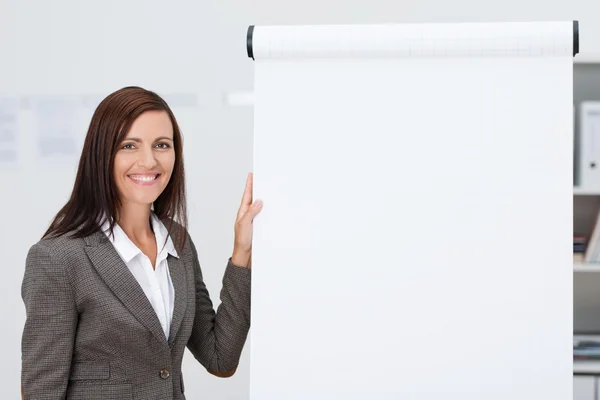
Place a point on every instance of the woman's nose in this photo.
(147, 158)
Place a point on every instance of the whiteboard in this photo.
(357, 292)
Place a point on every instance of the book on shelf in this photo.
(579, 242)
(592, 247)
(586, 359)
(579, 246)
(586, 348)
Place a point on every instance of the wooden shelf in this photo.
(580, 191)
(586, 267)
(586, 367)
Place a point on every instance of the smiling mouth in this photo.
(144, 178)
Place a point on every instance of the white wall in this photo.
(73, 48)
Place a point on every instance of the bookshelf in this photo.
(586, 267)
(582, 191)
(586, 204)
(586, 368)
(586, 275)
(586, 207)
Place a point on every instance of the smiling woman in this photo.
(113, 291)
(145, 159)
(132, 131)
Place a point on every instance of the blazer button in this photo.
(164, 373)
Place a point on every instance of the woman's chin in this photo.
(142, 200)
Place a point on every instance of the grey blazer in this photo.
(91, 332)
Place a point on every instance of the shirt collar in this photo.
(161, 232)
(128, 250)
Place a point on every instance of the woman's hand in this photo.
(242, 247)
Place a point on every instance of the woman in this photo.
(114, 291)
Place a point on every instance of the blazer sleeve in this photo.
(218, 338)
(50, 326)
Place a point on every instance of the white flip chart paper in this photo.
(415, 240)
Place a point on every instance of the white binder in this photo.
(589, 154)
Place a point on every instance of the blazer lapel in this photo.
(123, 284)
(178, 277)
(177, 271)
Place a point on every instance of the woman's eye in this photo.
(163, 145)
(127, 146)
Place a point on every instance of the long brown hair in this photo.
(94, 197)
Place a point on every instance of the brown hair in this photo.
(94, 197)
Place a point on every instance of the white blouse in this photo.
(156, 283)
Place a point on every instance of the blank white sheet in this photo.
(415, 237)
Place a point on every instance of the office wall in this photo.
(59, 58)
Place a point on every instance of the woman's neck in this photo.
(134, 219)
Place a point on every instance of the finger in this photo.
(255, 209)
(247, 197)
(246, 216)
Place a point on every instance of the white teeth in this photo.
(143, 178)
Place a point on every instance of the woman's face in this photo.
(145, 159)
